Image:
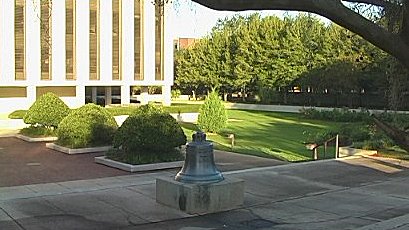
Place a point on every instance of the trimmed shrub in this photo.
(37, 131)
(47, 111)
(175, 93)
(147, 110)
(90, 125)
(212, 114)
(147, 136)
(17, 114)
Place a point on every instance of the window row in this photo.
(44, 15)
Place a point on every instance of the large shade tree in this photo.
(384, 23)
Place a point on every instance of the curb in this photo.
(77, 151)
(137, 168)
(35, 139)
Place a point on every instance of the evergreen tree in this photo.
(212, 114)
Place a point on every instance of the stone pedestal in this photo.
(200, 198)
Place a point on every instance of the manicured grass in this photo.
(175, 108)
(115, 111)
(268, 134)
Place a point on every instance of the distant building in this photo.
(83, 49)
(184, 43)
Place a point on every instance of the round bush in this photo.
(90, 125)
(212, 114)
(147, 136)
(48, 110)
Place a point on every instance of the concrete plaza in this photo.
(349, 193)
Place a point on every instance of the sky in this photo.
(194, 21)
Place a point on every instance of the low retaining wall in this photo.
(348, 151)
(137, 168)
(77, 151)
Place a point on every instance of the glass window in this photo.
(19, 33)
(138, 40)
(70, 39)
(158, 41)
(46, 39)
(93, 40)
(116, 39)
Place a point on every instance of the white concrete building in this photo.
(84, 50)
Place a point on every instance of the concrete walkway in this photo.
(351, 193)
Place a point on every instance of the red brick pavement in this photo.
(32, 163)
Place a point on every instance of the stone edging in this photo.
(77, 151)
(35, 139)
(137, 168)
(348, 151)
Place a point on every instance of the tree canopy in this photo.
(384, 23)
(250, 54)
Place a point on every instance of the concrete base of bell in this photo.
(200, 198)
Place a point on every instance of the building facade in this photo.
(84, 50)
(184, 43)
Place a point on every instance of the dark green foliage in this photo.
(364, 134)
(148, 135)
(90, 125)
(320, 137)
(48, 111)
(175, 93)
(398, 120)
(358, 134)
(340, 115)
(141, 158)
(212, 114)
(38, 131)
(270, 56)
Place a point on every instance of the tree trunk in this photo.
(400, 137)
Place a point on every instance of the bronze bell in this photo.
(199, 166)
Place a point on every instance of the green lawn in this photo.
(115, 111)
(175, 108)
(268, 134)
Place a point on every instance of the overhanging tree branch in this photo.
(381, 3)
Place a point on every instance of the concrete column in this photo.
(149, 41)
(105, 41)
(125, 94)
(80, 95)
(127, 42)
(31, 95)
(58, 41)
(94, 94)
(108, 95)
(82, 38)
(7, 64)
(144, 98)
(167, 97)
